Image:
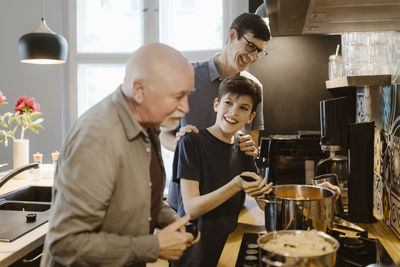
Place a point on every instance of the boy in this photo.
(208, 166)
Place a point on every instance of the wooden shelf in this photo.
(365, 80)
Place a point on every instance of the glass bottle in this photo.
(37, 173)
(335, 67)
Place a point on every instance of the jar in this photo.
(335, 67)
(37, 172)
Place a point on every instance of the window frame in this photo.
(231, 8)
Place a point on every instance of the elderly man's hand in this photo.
(184, 130)
(173, 241)
(247, 145)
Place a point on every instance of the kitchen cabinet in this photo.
(296, 17)
(32, 259)
(10, 252)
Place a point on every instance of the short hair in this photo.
(250, 22)
(241, 85)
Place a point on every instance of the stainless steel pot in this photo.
(298, 207)
(275, 259)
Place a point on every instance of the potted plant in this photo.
(26, 117)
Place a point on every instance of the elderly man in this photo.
(108, 187)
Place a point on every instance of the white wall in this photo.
(43, 82)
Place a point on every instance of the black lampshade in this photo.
(42, 46)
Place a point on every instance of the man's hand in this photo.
(173, 241)
(183, 229)
(247, 145)
(332, 187)
(184, 130)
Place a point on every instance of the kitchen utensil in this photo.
(247, 178)
(333, 179)
(345, 224)
(192, 228)
(273, 258)
(298, 207)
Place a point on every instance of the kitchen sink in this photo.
(24, 206)
(18, 206)
(30, 193)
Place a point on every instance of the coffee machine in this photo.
(335, 118)
(290, 159)
(350, 149)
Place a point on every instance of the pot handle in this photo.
(268, 201)
(275, 263)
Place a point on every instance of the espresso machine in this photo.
(335, 118)
(350, 148)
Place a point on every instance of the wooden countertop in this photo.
(12, 251)
(251, 220)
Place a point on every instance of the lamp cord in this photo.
(42, 9)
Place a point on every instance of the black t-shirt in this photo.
(213, 163)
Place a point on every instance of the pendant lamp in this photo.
(42, 46)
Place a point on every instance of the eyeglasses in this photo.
(251, 47)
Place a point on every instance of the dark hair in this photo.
(241, 85)
(250, 22)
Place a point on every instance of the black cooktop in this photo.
(358, 251)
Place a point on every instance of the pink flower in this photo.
(2, 98)
(26, 104)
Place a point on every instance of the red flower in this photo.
(2, 98)
(26, 104)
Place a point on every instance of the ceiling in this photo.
(296, 17)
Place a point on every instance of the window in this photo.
(105, 32)
(102, 34)
(190, 25)
(99, 26)
(96, 81)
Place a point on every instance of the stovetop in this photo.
(356, 251)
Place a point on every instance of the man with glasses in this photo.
(247, 40)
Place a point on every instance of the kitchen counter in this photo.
(12, 251)
(251, 219)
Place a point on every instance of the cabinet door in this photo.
(31, 259)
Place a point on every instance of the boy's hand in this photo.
(247, 145)
(184, 130)
(256, 187)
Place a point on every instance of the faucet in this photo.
(17, 171)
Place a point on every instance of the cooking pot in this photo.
(298, 248)
(299, 207)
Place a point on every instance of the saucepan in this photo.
(298, 248)
(298, 207)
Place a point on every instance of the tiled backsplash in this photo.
(382, 105)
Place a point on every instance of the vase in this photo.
(20, 155)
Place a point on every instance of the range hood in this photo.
(297, 17)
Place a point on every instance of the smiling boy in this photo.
(208, 166)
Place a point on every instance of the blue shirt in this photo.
(201, 100)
